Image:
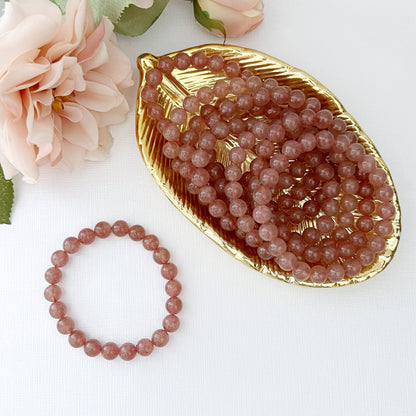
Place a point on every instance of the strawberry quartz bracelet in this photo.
(110, 350)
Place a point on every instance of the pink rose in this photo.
(237, 16)
(60, 80)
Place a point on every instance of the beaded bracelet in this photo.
(66, 325)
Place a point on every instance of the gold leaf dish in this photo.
(175, 87)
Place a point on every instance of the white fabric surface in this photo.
(248, 344)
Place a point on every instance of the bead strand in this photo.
(65, 324)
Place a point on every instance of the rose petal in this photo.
(239, 5)
(105, 143)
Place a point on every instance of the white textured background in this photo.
(248, 344)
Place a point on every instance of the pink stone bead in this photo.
(287, 261)
(173, 288)
(326, 172)
(377, 244)
(383, 228)
(200, 177)
(262, 195)
(336, 272)
(319, 274)
(246, 140)
(169, 271)
(277, 247)
(137, 232)
(199, 60)
(57, 310)
(238, 87)
(263, 252)
(171, 323)
(120, 228)
(384, 193)
(364, 223)
(291, 149)
(127, 351)
(221, 88)
(76, 339)
(280, 95)
(312, 254)
(261, 97)
(218, 208)
(165, 64)
(233, 190)
(350, 186)
(220, 130)
(345, 219)
(325, 224)
(144, 347)
(377, 177)
(200, 158)
(238, 207)
(171, 132)
(53, 275)
(161, 255)
(232, 69)
(291, 122)
(71, 245)
(207, 195)
(367, 164)
(65, 325)
(150, 242)
(102, 229)
(386, 210)
(365, 256)
(245, 102)
(110, 351)
(173, 305)
(245, 223)
(302, 272)
(269, 177)
(154, 77)
(191, 104)
(215, 63)
(313, 103)
(52, 293)
(178, 116)
(149, 94)
(330, 206)
(205, 95)
(355, 152)
(182, 61)
(160, 338)
(268, 232)
(297, 99)
(348, 203)
(262, 214)
(352, 267)
(155, 111)
(323, 119)
(324, 140)
(92, 348)
(86, 236)
(237, 155)
(254, 83)
(59, 258)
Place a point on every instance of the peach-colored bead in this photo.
(150, 242)
(127, 351)
(59, 258)
(57, 310)
(137, 232)
(76, 339)
(144, 347)
(53, 275)
(102, 229)
(110, 351)
(65, 325)
(171, 323)
(160, 338)
(173, 305)
(173, 288)
(161, 255)
(120, 228)
(52, 293)
(86, 236)
(169, 271)
(71, 245)
(92, 348)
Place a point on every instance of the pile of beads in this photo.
(110, 350)
(306, 167)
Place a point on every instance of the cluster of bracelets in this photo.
(306, 167)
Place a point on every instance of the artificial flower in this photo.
(236, 16)
(60, 81)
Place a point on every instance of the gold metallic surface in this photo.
(177, 86)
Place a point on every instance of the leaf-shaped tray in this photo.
(175, 87)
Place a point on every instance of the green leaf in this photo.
(203, 18)
(6, 198)
(113, 9)
(134, 21)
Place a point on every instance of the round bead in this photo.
(137, 232)
(336, 272)
(110, 351)
(86, 236)
(53, 275)
(92, 348)
(52, 293)
(160, 338)
(127, 351)
(102, 229)
(169, 271)
(150, 242)
(302, 272)
(173, 288)
(144, 347)
(71, 245)
(76, 339)
(59, 258)
(120, 228)
(319, 274)
(57, 310)
(173, 305)
(171, 323)
(65, 325)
